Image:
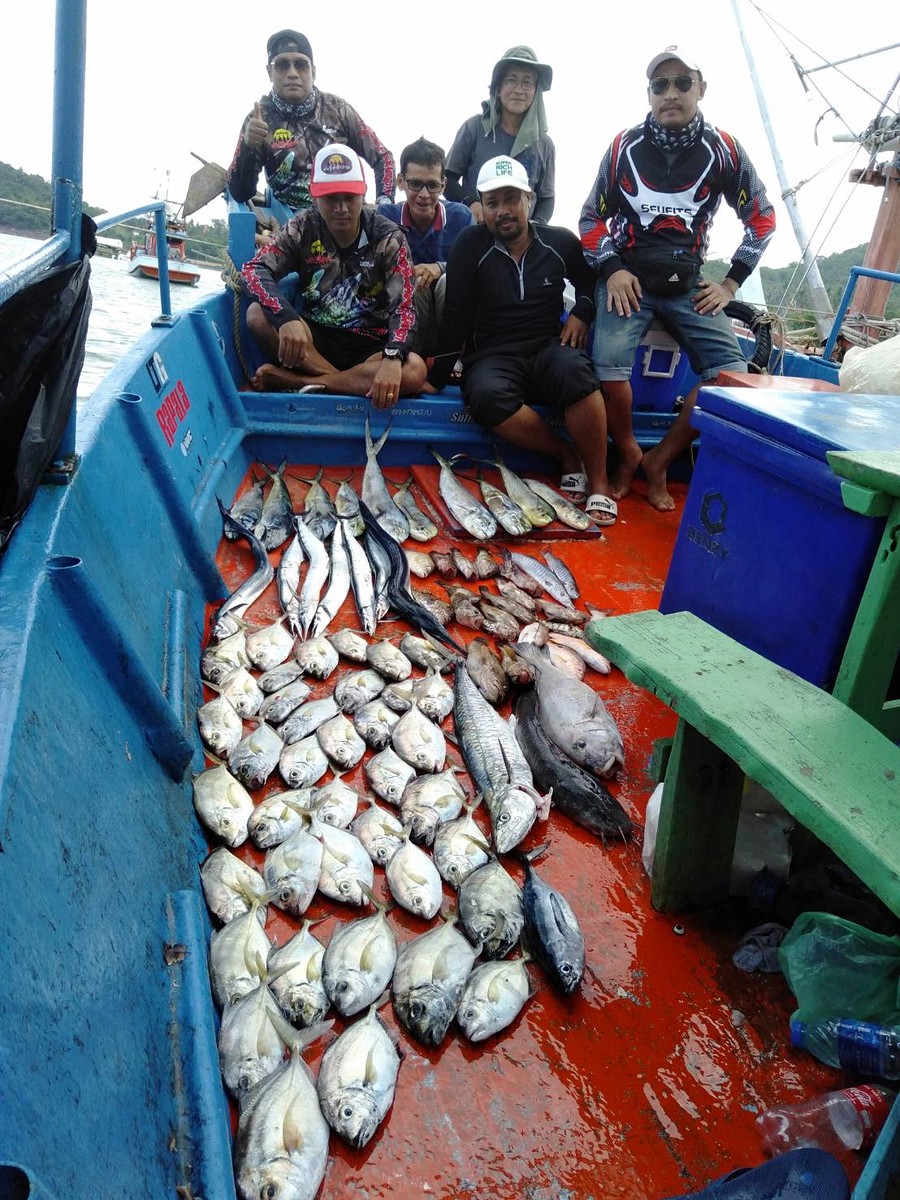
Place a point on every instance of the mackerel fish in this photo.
(421, 527)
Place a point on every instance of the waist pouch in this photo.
(665, 270)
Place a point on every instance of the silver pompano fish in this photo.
(280, 677)
(575, 518)
(295, 978)
(270, 645)
(341, 742)
(494, 995)
(429, 801)
(347, 872)
(375, 492)
(277, 817)
(349, 644)
(434, 696)
(490, 909)
(224, 656)
(242, 692)
(307, 718)
(291, 871)
(220, 726)
(574, 717)
(229, 885)
(472, 515)
(256, 756)
(279, 705)
(429, 978)
(317, 657)
(388, 774)
(250, 1045)
(388, 661)
(459, 849)
(414, 881)
(303, 763)
(373, 722)
(223, 805)
(235, 952)
(357, 688)
(379, 831)
(358, 1078)
(336, 802)
(421, 527)
(552, 928)
(419, 741)
(359, 962)
(281, 1144)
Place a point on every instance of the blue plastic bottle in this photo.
(856, 1046)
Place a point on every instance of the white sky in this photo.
(414, 69)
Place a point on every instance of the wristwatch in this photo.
(395, 354)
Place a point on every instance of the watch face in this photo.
(392, 353)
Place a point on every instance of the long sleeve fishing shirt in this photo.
(646, 194)
(496, 303)
(366, 288)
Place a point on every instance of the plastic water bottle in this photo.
(856, 1046)
(850, 1119)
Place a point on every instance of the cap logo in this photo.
(504, 168)
(336, 164)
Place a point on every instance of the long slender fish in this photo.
(251, 589)
(361, 579)
(563, 574)
(287, 581)
(375, 490)
(316, 575)
(542, 574)
(338, 587)
(472, 515)
(575, 518)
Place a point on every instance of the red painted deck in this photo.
(646, 1082)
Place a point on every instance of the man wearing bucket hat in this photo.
(355, 284)
(645, 227)
(512, 122)
(503, 309)
(295, 120)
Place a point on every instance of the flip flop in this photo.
(603, 508)
(573, 486)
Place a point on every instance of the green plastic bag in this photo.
(838, 969)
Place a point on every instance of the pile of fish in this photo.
(282, 717)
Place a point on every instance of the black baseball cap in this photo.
(288, 39)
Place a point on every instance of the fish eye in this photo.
(580, 744)
(269, 1192)
(347, 1112)
(343, 986)
(504, 818)
(344, 887)
(284, 896)
(565, 969)
(416, 1009)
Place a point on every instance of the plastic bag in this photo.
(874, 370)
(838, 969)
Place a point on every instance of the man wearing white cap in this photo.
(645, 227)
(355, 288)
(504, 311)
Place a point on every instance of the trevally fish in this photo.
(270, 645)
(494, 995)
(358, 1078)
(341, 742)
(291, 871)
(242, 691)
(460, 849)
(359, 962)
(491, 912)
(379, 831)
(235, 952)
(220, 726)
(373, 722)
(247, 509)
(250, 1044)
(505, 509)
(349, 644)
(346, 504)
(229, 885)
(256, 756)
(419, 741)
(469, 512)
(317, 657)
(347, 873)
(223, 805)
(552, 928)
(375, 491)
(388, 774)
(429, 978)
(388, 661)
(319, 514)
(295, 977)
(414, 881)
(281, 704)
(536, 508)
(429, 801)
(303, 763)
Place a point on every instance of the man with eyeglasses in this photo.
(292, 123)
(645, 227)
(431, 225)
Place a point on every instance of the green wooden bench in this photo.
(740, 714)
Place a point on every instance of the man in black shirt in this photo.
(504, 310)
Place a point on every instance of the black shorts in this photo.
(497, 383)
(342, 347)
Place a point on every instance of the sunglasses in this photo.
(283, 65)
(432, 186)
(684, 83)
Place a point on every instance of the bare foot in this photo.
(657, 493)
(629, 461)
(272, 378)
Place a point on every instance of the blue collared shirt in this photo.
(434, 244)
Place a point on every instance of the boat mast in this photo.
(823, 311)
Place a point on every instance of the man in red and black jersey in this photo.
(645, 228)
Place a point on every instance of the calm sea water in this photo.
(124, 305)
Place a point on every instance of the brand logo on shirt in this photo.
(283, 138)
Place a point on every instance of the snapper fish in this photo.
(358, 1078)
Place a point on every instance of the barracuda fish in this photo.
(552, 928)
(278, 706)
(487, 671)
(574, 717)
(388, 774)
(358, 1078)
(220, 726)
(317, 572)
(229, 885)
(281, 1144)
(359, 962)
(247, 509)
(472, 516)
(494, 995)
(379, 831)
(224, 656)
(347, 873)
(250, 1044)
(223, 805)
(541, 574)
(242, 692)
(509, 515)
(429, 978)
(374, 722)
(361, 580)
(276, 519)
(419, 741)
(563, 574)
(459, 849)
(270, 645)
(388, 661)
(349, 644)
(434, 696)
(576, 792)
(536, 508)
(430, 800)
(256, 756)
(421, 527)
(491, 911)
(252, 588)
(317, 657)
(235, 952)
(337, 590)
(346, 505)
(319, 513)
(575, 518)
(295, 977)
(303, 763)
(375, 492)
(341, 742)
(291, 871)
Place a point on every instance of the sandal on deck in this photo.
(603, 508)
(573, 486)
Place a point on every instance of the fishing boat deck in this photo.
(643, 1084)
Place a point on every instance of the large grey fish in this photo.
(235, 952)
(359, 962)
(307, 718)
(575, 518)
(242, 691)
(421, 527)
(459, 849)
(358, 1078)
(221, 657)
(535, 507)
(375, 492)
(361, 580)
(337, 590)
(287, 581)
(319, 514)
(357, 688)
(542, 574)
(574, 717)
(230, 885)
(256, 756)
(269, 645)
(341, 742)
(429, 978)
(419, 741)
(281, 1144)
(374, 722)
(317, 657)
(236, 605)
(250, 1044)
(414, 880)
(291, 871)
(490, 909)
(281, 704)
(505, 509)
(388, 774)
(346, 504)
(303, 763)
(347, 872)
(220, 726)
(552, 928)
(379, 831)
(295, 977)
(469, 512)
(494, 995)
(429, 801)
(247, 509)
(223, 805)
(276, 519)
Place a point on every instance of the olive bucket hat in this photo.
(522, 56)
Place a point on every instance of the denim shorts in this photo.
(708, 341)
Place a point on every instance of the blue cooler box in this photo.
(766, 551)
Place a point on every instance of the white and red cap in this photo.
(676, 53)
(337, 168)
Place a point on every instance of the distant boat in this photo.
(144, 260)
(109, 247)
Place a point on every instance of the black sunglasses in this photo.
(283, 65)
(660, 86)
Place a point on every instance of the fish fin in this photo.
(367, 957)
(290, 1133)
